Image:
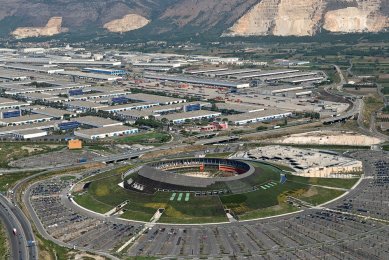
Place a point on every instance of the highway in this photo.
(18, 243)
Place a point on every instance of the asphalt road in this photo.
(18, 243)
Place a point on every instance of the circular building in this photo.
(200, 175)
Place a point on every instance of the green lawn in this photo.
(117, 171)
(199, 209)
(385, 147)
(268, 212)
(87, 201)
(146, 138)
(330, 182)
(322, 195)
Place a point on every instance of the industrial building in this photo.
(179, 118)
(161, 100)
(29, 134)
(8, 113)
(53, 112)
(114, 72)
(130, 106)
(21, 120)
(133, 115)
(84, 105)
(6, 103)
(198, 81)
(259, 116)
(105, 132)
(90, 76)
(95, 121)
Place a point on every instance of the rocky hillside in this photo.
(32, 18)
(308, 17)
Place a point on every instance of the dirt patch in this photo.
(329, 138)
(311, 192)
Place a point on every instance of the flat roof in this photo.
(234, 72)
(29, 131)
(184, 115)
(96, 121)
(39, 125)
(87, 104)
(136, 113)
(265, 73)
(258, 114)
(52, 112)
(200, 71)
(129, 105)
(105, 130)
(25, 118)
(4, 101)
(153, 98)
(239, 107)
(89, 75)
(199, 81)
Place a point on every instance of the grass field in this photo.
(372, 103)
(146, 138)
(385, 147)
(198, 209)
(14, 151)
(321, 195)
(4, 243)
(8, 180)
(330, 182)
(267, 212)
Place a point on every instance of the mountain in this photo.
(32, 18)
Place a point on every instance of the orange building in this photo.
(74, 144)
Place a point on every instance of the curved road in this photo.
(18, 242)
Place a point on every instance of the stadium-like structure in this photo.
(200, 175)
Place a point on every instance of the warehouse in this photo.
(53, 112)
(198, 81)
(21, 120)
(131, 106)
(6, 103)
(260, 116)
(96, 121)
(40, 125)
(29, 134)
(105, 132)
(188, 116)
(263, 74)
(41, 69)
(243, 108)
(9, 113)
(203, 71)
(159, 64)
(84, 105)
(105, 71)
(161, 100)
(133, 115)
(191, 106)
(90, 76)
(233, 72)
